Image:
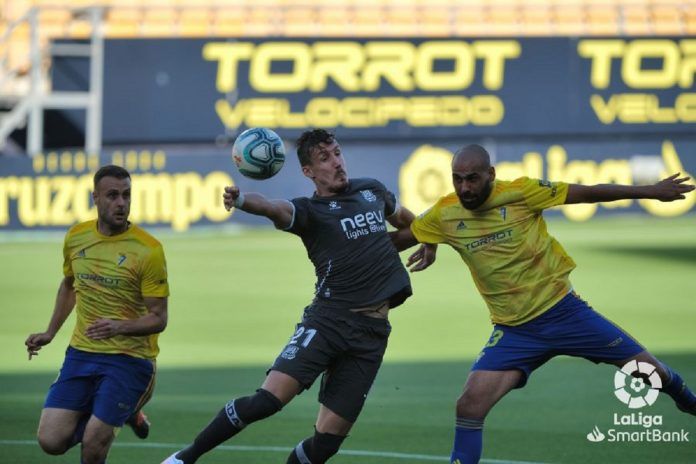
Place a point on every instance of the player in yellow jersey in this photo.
(522, 274)
(116, 278)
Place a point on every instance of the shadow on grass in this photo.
(410, 411)
(663, 253)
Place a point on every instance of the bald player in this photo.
(522, 274)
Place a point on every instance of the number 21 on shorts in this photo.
(305, 334)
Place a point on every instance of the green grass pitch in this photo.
(235, 299)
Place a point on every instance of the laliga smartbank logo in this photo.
(637, 385)
(633, 391)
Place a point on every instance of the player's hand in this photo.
(422, 258)
(230, 196)
(103, 328)
(671, 188)
(35, 342)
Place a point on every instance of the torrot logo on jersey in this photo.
(363, 224)
(102, 280)
(498, 237)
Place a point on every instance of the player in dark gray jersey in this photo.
(344, 331)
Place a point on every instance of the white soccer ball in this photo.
(259, 153)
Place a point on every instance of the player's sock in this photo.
(231, 419)
(79, 431)
(680, 393)
(316, 450)
(468, 441)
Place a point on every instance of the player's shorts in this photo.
(571, 327)
(346, 347)
(109, 386)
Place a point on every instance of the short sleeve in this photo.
(427, 227)
(543, 194)
(67, 261)
(300, 216)
(154, 278)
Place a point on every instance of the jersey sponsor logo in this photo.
(489, 240)
(368, 195)
(551, 185)
(101, 280)
(363, 224)
(121, 258)
(333, 205)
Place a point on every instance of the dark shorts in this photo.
(346, 347)
(110, 386)
(571, 327)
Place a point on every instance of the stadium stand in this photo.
(69, 19)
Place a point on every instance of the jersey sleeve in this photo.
(67, 262)
(542, 194)
(300, 216)
(390, 203)
(154, 278)
(427, 227)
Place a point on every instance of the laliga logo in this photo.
(633, 391)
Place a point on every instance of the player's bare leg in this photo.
(278, 389)
(57, 429)
(330, 431)
(672, 383)
(483, 389)
(97, 441)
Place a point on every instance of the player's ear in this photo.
(491, 173)
(307, 171)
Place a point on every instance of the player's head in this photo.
(321, 160)
(472, 175)
(112, 197)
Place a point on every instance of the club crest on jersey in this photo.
(368, 195)
(333, 205)
(461, 225)
(503, 212)
(81, 254)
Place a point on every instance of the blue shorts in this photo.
(109, 386)
(570, 327)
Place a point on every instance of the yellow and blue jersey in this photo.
(113, 275)
(519, 269)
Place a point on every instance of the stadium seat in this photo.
(195, 22)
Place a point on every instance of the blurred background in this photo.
(583, 91)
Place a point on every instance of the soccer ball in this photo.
(258, 153)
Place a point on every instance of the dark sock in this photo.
(220, 429)
(468, 441)
(680, 393)
(316, 450)
(231, 419)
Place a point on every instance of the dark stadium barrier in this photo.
(181, 187)
(196, 90)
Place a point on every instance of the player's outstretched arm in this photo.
(278, 211)
(669, 189)
(155, 321)
(65, 301)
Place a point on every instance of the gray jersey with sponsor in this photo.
(346, 239)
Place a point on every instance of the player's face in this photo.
(327, 169)
(112, 198)
(472, 182)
